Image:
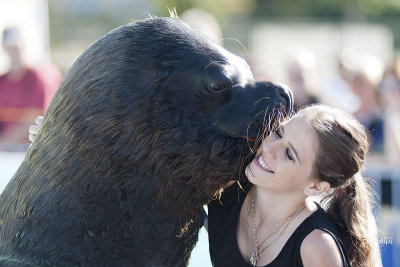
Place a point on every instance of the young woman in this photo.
(320, 150)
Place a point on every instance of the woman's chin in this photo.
(251, 175)
(255, 175)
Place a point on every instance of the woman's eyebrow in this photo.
(291, 146)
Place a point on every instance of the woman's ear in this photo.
(316, 188)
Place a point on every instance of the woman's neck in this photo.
(275, 207)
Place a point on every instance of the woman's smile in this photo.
(261, 163)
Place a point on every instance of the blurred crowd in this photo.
(362, 85)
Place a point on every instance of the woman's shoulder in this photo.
(319, 247)
(322, 241)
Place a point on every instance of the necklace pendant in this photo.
(254, 259)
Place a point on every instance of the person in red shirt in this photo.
(22, 95)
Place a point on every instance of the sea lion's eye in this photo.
(218, 87)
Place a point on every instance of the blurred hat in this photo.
(11, 36)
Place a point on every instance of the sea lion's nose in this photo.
(286, 93)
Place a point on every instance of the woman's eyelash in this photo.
(278, 133)
(287, 152)
(288, 155)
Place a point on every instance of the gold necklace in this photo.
(256, 250)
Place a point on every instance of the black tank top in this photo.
(223, 216)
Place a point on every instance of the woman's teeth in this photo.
(262, 163)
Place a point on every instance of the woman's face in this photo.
(285, 160)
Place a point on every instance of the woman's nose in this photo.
(271, 148)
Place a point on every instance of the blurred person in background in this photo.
(337, 88)
(22, 95)
(390, 95)
(365, 85)
(302, 78)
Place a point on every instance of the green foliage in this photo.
(339, 8)
(216, 7)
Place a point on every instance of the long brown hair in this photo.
(343, 146)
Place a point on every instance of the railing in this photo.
(387, 186)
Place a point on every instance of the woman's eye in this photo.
(289, 155)
(278, 133)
